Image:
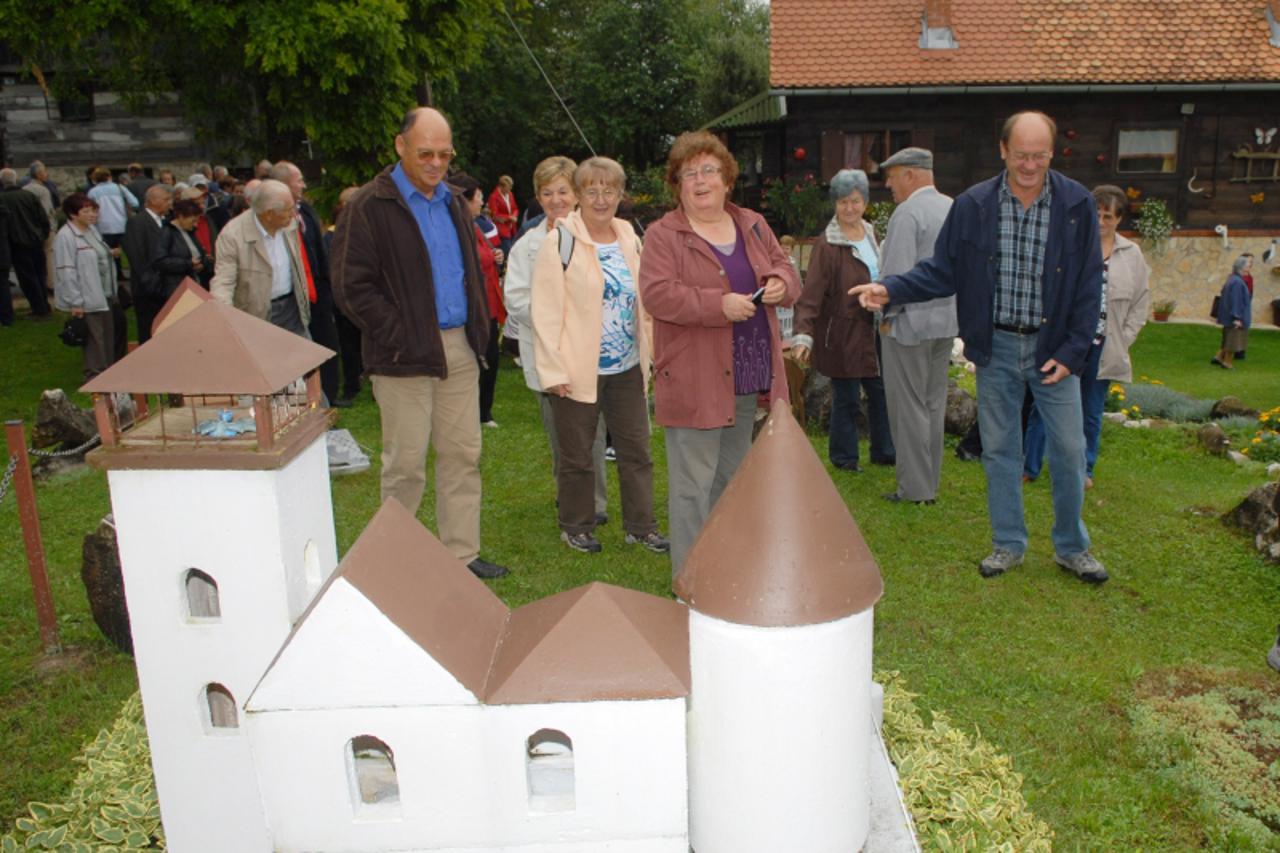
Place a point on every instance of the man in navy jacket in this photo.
(1020, 252)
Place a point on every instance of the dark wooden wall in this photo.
(964, 132)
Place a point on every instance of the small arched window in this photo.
(371, 768)
(549, 764)
(220, 708)
(202, 595)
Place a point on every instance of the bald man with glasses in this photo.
(405, 270)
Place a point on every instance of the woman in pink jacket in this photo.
(711, 276)
(591, 344)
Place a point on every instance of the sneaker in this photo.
(485, 570)
(1084, 566)
(602, 518)
(610, 454)
(895, 498)
(490, 424)
(584, 542)
(653, 540)
(998, 562)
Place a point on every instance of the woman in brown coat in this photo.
(836, 332)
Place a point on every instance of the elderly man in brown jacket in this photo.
(258, 267)
(405, 270)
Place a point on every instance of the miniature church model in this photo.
(393, 702)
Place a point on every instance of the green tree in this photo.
(261, 76)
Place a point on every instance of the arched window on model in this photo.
(371, 771)
(220, 708)
(549, 764)
(202, 595)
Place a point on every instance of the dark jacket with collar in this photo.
(28, 224)
(381, 275)
(965, 262)
(139, 243)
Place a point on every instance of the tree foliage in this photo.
(258, 77)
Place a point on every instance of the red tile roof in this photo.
(875, 43)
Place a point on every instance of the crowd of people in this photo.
(422, 275)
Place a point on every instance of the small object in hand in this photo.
(758, 296)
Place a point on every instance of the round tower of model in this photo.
(780, 585)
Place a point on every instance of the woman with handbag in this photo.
(85, 280)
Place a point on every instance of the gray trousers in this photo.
(597, 451)
(99, 349)
(285, 314)
(915, 387)
(700, 463)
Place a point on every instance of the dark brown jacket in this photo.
(844, 334)
(381, 276)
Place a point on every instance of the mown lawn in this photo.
(1040, 664)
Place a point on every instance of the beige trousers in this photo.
(421, 410)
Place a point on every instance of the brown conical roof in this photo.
(428, 593)
(780, 548)
(595, 642)
(214, 349)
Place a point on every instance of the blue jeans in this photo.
(1093, 398)
(1001, 386)
(842, 440)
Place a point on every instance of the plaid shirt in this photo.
(1024, 234)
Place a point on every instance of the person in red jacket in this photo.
(491, 257)
(502, 207)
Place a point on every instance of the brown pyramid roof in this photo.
(780, 547)
(185, 298)
(214, 349)
(424, 590)
(591, 643)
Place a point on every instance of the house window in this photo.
(862, 149)
(311, 567)
(220, 708)
(1147, 151)
(202, 595)
(549, 756)
(371, 772)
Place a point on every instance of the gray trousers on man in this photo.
(915, 387)
(700, 463)
(597, 451)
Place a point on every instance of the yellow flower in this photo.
(1264, 417)
(1257, 440)
(1136, 408)
(1156, 382)
(1124, 412)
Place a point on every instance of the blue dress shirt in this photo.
(435, 222)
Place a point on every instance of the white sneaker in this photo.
(491, 424)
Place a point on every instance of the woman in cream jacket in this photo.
(592, 352)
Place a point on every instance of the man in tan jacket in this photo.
(258, 268)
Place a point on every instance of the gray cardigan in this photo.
(909, 239)
(80, 282)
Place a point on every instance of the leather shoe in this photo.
(848, 466)
(343, 403)
(895, 498)
(485, 570)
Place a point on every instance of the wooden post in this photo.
(28, 514)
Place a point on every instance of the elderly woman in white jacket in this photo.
(553, 186)
(85, 279)
(592, 351)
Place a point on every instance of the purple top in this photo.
(752, 350)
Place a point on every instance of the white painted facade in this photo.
(254, 533)
(779, 736)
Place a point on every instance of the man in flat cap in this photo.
(915, 338)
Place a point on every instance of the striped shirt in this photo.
(1024, 236)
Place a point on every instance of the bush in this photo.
(962, 793)
(112, 803)
(878, 213)
(1139, 400)
(799, 203)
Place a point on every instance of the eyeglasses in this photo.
(707, 172)
(1039, 157)
(606, 194)
(426, 155)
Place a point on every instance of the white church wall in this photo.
(347, 654)
(779, 736)
(307, 538)
(461, 775)
(225, 524)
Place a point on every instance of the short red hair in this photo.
(693, 144)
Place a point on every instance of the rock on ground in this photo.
(962, 410)
(1214, 439)
(1231, 407)
(104, 585)
(1259, 515)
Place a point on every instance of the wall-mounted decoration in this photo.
(1250, 166)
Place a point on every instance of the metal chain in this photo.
(8, 476)
(56, 454)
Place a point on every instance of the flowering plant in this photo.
(1155, 222)
(1264, 446)
(799, 203)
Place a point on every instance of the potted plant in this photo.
(1155, 222)
(1161, 310)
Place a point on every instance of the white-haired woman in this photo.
(836, 332)
(592, 346)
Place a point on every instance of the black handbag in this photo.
(75, 332)
(1213, 312)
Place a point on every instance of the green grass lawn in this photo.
(1042, 665)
